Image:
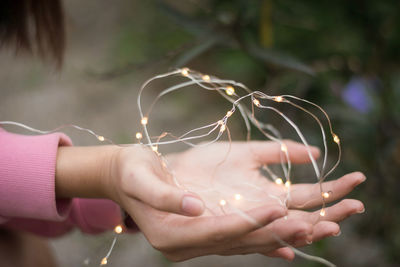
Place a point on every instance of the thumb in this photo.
(150, 189)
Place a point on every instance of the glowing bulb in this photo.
(278, 99)
(101, 138)
(144, 120)
(118, 229)
(154, 148)
(229, 90)
(325, 195)
(103, 261)
(222, 202)
(185, 72)
(322, 212)
(287, 184)
(256, 102)
(139, 135)
(336, 139)
(229, 113)
(238, 196)
(279, 181)
(284, 148)
(223, 128)
(206, 78)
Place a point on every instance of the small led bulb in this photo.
(336, 139)
(278, 99)
(101, 138)
(118, 229)
(229, 113)
(325, 194)
(139, 135)
(103, 261)
(154, 148)
(222, 202)
(229, 90)
(238, 196)
(185, 72)
(206, 78)
(223, 128)
(256, 102)
(283, 148)
(288, 184)
(322, 212)
(279, 181)
(144, 120)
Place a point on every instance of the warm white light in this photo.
(118, 229)
(283, 148)
(185, 72)
(223, 128)
(278, 98)
(287, 184)
(103, 261)
(279, 181)
(220, 122)
(336, 139)
(206, 78)
(144, 120)
(325, 195)
(256, 102)
(222, 202)
(238, 196)
(322, 212)
(101, 138)
(154, 148)
(229, 90)
(139, 135)
(229, 113)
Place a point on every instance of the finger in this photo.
(271, 152)
(284, 253)
(335, 213)
(271, 236)
(218, 230)
(325, 229)
(148, 187)
(310, 195)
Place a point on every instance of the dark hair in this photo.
(34, 26)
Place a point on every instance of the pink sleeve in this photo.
(27, 189)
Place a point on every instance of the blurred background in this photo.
(342, 55)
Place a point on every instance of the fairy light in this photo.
(185, 72)
(325, 194)
(256, 102)
(322, 212)
(206, 78)
(222, 202)
(144, 120)
(118, 229)
(336, 139)
(196, 78)
(229, 90)
(104, 261)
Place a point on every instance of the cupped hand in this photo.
(245, 224)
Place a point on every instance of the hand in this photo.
(181, 238)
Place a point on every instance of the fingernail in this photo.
(192, 205)
(361, 210)
(338, 233)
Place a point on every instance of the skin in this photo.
(139, 182)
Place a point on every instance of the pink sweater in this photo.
(27, 190)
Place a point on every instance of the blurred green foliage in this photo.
(343, 55)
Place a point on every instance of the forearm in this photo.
(83, 171)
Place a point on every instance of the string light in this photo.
(118, 229)
(154, 148)
(283, 148)
(238, 196)
(325, 194)
(223, 128)
(229, 113)
(104, 261)
(144, 120)
(101, 138)
(336, 139)
(287, 184)
(185, 72)
(278, 181)
(222, 202)
(206, 78)
(229, 90)
(256, 102)
(139, 135)
(322, 212)
(278, 98)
